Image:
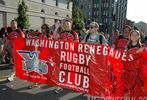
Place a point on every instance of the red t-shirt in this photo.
(11, 36)
(68, 36)
(116, 40)
(42, 36)
(122, 44)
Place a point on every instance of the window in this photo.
(42, 20)
(97, 12)
(42, 11)
(89, 13)
(105, 12)
(89, 6)
(93, 19)
(95, 5)
(43, 1)
(94, 13)
(112, 5)
(67, 15)
(81, 6)
(57, 2)
(68, 4)
(106, 20)
(56, 13)
(105, 4)
(55, 20)
(2, 2)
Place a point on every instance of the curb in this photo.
(3, 78)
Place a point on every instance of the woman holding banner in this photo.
(44, 33)
(95, 37)
(133, 76)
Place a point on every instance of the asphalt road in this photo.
(18, 89)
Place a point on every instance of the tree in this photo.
(78, 19)
(22, 19)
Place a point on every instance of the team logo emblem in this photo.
(32, 63)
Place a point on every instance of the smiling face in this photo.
(13, 24)
(135, 36)
(93, 27)
(127, 31)
(66, 26)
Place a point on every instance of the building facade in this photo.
(39, 11)
(129, 22)
(120, 17)
(103, 14)
(86, 9)
(142, 26)
(100, 11)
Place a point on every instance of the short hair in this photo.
(129, 27)
(13, 21)
(67, 20)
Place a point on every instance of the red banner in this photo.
(90, 68)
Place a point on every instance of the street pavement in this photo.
(18, 89)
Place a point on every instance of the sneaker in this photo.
(11, 77)
(58, 90)
(34, 86)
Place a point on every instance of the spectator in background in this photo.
(31, 34)
(114, 38)
(1, 45)
(44, 32)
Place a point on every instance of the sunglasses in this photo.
(91, 27)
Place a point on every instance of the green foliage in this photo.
(22, 19)
(78, 19)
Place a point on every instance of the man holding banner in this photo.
(66, 35)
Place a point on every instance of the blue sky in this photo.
(137, 10)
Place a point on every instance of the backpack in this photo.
(100, 38)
